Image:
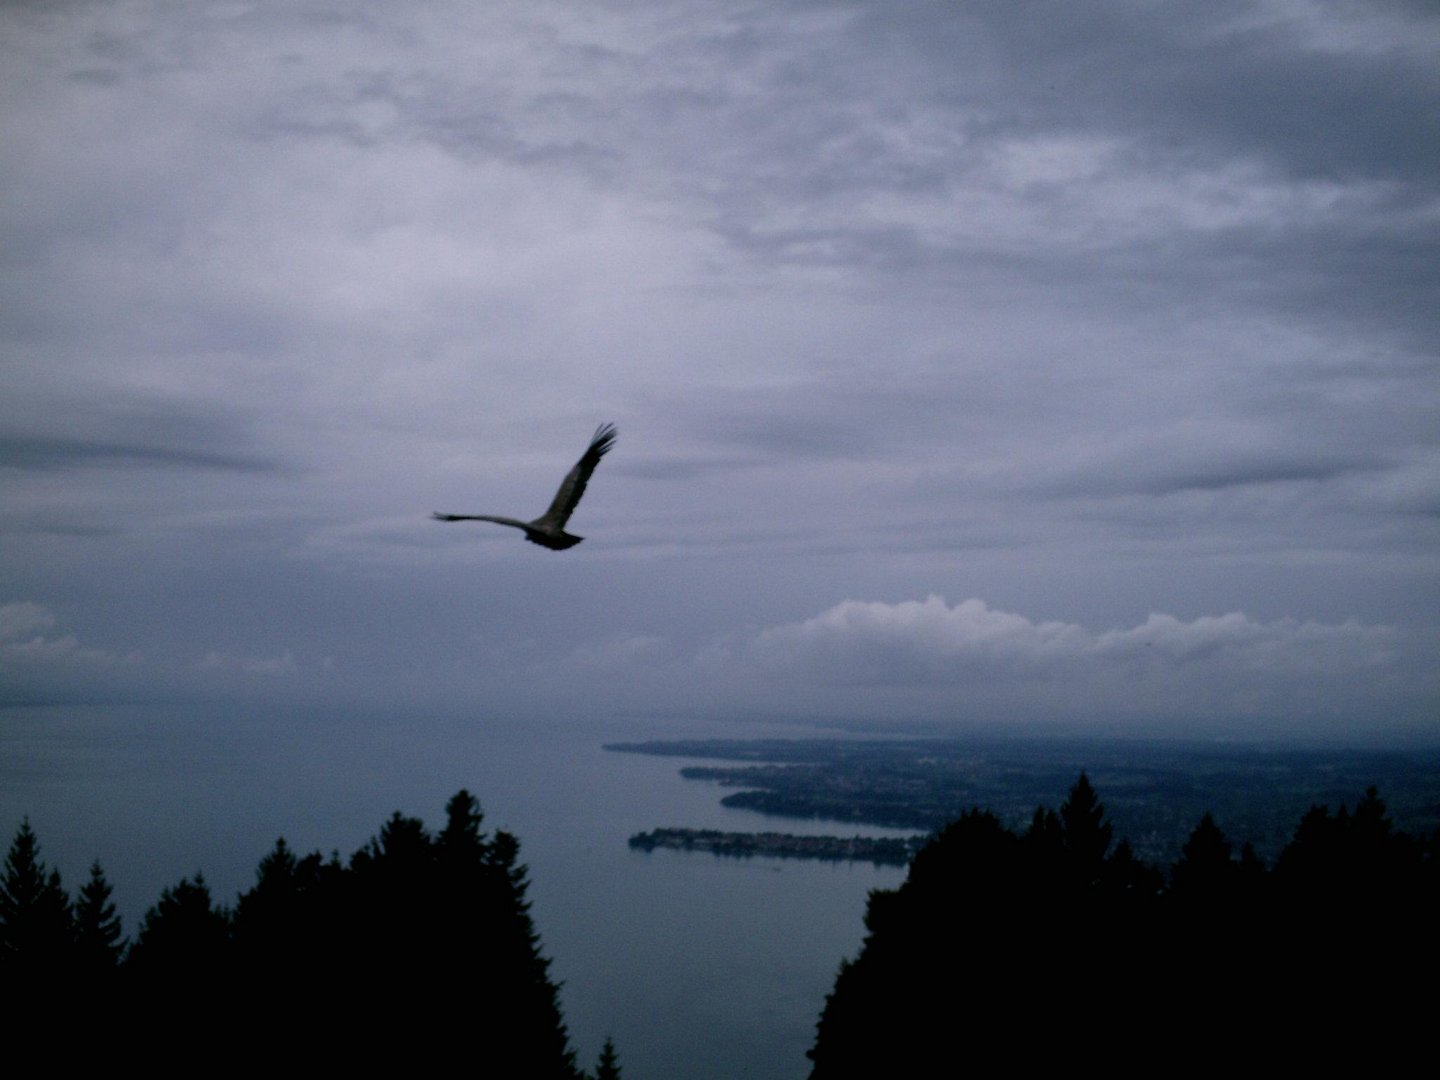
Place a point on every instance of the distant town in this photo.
(1153, 792)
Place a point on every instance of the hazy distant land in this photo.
(1154, 793)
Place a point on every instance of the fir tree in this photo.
(449, 913)
(1086, 833)
(98, 943)
(183, 937)
(1205, 868)
(608, 1067)
(34, 908)
(292, 915)
(526, 998)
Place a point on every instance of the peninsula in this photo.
(883, 851)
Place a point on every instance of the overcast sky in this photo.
(973, 363)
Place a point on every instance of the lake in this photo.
(699, 967)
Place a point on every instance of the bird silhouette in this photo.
(548, 530)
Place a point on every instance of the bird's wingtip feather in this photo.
(604, 437)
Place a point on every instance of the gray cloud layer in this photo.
(1119, 310)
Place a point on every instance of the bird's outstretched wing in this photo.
(568, 497)
(480, 517)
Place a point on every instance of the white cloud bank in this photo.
(969, 664)
(930, 662)
(931, 641)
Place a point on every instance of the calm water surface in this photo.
(699, 967)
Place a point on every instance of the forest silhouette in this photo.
(419, 950)
(1052, 947)
(1010, 949)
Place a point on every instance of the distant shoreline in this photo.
(1153, 792)
(882, 851)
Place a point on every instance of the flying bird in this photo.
(548, 530)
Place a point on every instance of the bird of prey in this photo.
(548, 530)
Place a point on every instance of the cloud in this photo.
(48, 426)
(42, 664)
(931, 641)
(971, 663)
(41, 452)
(1118, 311)
(29, 653)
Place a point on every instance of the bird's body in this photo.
(548, 530)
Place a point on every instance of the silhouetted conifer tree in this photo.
(98, 944)
(184, 938)
(1205, 869)
(445, 918)
(275, 876)
(266, 911)
(1310, 853)
(485, 885)
(297, 917)
(608, 1067)
(941, 946)
(35, 932)
(1085, 833)
(1349, 859)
